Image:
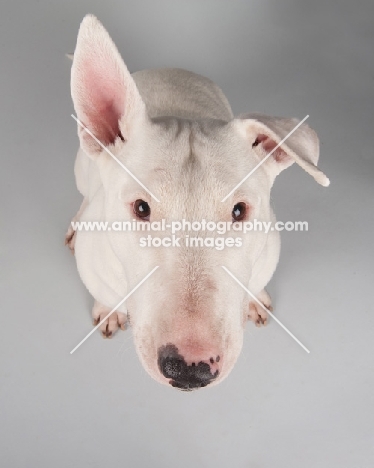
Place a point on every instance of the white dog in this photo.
(175, 131)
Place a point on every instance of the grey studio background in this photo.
(280, 407)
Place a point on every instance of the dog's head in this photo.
(188, 317)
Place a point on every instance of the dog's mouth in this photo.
(189, 386)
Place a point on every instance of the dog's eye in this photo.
(142, 209)
(239, 211)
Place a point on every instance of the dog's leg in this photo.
(71, 234)
(111, 324)
(256, 313)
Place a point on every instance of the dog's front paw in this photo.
(70, 239)
(112, 323)
(258, 314)
(71, 234)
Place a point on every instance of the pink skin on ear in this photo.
(267, 145)
(102, 101)
(105, 96)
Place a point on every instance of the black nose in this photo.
(182, 376)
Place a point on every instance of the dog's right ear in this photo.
(104, 94)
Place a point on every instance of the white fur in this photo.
(183, 143)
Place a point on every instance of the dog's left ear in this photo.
(104, 93)
(264, 133)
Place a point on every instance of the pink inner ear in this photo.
(268, 145)
(102, 100)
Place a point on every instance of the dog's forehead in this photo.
(189, 169)
(195, 157)
(185, 141)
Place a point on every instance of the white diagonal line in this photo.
(115, 158)
(115, 308)
(267, 310)
(265, 158)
